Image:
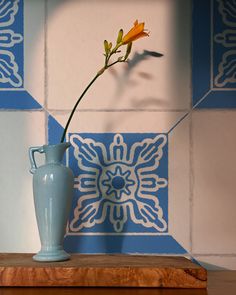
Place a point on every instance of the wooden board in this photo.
(102, 270)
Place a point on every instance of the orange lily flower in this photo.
(135, 33)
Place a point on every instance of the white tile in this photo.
(34, 18)
(217, 262)
(179, 183)
(214, 170)
(18, 228)
(120, 121)
(76, 31)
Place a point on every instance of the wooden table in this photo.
(219, 283)
(19, 270)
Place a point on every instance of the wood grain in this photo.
(219, 282)
(102, 270)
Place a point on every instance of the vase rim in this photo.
(67, 144)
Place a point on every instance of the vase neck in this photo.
(55, 153)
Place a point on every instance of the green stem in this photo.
(87, 88)
(75, 106)
(115, 62)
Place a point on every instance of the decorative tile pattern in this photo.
(11, 45)
(148, 167)
(12, 92)
(214, 54)
(121, 192)
(224, 48)
(120, 182)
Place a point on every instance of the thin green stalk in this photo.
(99, 73)
(75, 106)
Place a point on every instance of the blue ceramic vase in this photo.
(52, 189)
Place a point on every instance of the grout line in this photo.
(191, 148)
(121, 110)
(22, 110)
(211, 44)
(189, 112)
(46, 126)
(213, 255)
(191, 183)
(45, 71)
(200, 100)
(191, 56)
(179, 121)
(216, 110)
(45, 56)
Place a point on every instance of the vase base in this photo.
(50, 256)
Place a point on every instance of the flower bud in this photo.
(106, 47)
(120, 36)
(128, 50)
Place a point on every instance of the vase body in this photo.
(53, 190)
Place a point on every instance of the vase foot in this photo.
(50, 256)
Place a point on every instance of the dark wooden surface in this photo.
(102, 270)
(219, 283)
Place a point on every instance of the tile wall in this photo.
(160, 129)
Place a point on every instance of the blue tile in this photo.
(12, 57)
(121, 183)
(201, 48)
(224, 44)
(55, 130)
(19, 99)
(11, 44)
(214, 54)
(123, 244)
(117, 176)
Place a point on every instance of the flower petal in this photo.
(135, 33)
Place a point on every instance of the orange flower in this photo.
(135, 33)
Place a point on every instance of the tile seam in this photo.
(214, 255)
(119, 110)
(45, 56)
(191, 183)
(22, 110)
(45, 70)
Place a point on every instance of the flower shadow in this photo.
(139, 57)
(130, 66)
(124, 80)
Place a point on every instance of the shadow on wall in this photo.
(181, 64)
(210, 266)
(122, 83)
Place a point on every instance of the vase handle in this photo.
(32, 150)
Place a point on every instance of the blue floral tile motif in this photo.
(224, 44)
(11, 44)
(120, 183)
(214, 54)
(12, 92)
(110, 169)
